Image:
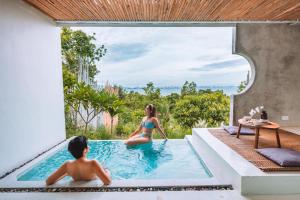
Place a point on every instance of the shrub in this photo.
(211, 107)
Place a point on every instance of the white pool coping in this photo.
(245, 177)
(11, 181)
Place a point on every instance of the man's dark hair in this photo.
(77, 145)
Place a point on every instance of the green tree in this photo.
(87, 102)
(213, 108)
(163, 111)
(121, 91)
(151, 91)
(78, 47)
(69, 82)
(189, 88)
(172, 99)
(113, 107)
(242, 86)
(187, 111)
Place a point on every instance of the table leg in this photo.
(239, 131)
(256, 138)
(278, 139)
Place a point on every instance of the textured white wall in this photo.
(31, 89)
(274, 50)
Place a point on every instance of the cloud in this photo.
(220, 65)
(168, 56)
(124, 52)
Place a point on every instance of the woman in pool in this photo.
(144, 132)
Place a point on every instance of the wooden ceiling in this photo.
(170, 10)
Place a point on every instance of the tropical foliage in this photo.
(242, 86)
(79, 48)
(178, 113)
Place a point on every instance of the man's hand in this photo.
(107, 172)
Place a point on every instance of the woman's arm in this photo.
(156, 123)
(57, 175)
(138, 130)
(103, 174)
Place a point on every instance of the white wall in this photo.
(31, 90)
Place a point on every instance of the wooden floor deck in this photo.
(244, 146)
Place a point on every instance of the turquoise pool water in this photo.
(173, 159)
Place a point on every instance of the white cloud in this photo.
(169, 56)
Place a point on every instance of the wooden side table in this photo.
(250, 124)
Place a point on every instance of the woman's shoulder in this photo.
(154, 119)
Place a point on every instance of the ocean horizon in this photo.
(166, 90)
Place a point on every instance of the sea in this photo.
(228, 90)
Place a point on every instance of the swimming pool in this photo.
(173, 159)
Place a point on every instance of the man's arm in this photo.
(103, 174)
(57, 175)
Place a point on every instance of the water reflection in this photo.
(156, 160)
(152, 155)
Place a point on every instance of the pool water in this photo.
(172, 159)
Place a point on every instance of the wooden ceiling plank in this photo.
(126, 9)
(224, 9)
(187, 10)
(179, 11)
(281, 11)
(169, 10)
(264, 9)
(119, 11)
(198, 14)
(287, 12)
(88, 9)
(172, 10)
(55, 7)
(162, 11)
(122, 6)
(110, 10)
(71, 8)
(204, 11)
(42, 8)
(46, 6)
(101, 9)
(146, 14)
(93, 5)
(133, 14)
(166, 10)
(196, 11)
(244, 8)
(144, 10)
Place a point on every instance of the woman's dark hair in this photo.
(77, 145)
(152, 110)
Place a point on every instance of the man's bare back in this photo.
(80, 169)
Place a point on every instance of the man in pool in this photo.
(80, 169)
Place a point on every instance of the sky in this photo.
(168, 56)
